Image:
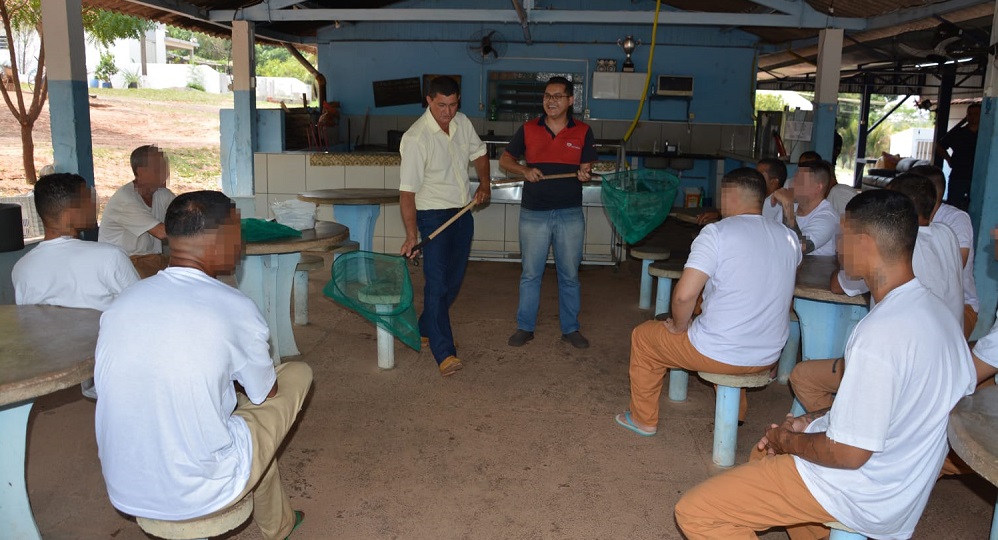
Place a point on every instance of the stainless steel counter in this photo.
(512, 193)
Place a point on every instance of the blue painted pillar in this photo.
(826, 90)
(69, 106)
(984, 200)
(239, 158)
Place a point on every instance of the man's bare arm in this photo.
(407, 203)
(159, 231)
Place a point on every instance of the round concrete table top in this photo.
(813, 277)
(973, 432)
(45, 349)
(350, 196)
(326, 234)
(689, 215)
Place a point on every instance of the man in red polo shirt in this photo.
(551, 210)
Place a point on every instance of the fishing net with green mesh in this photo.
(377, 286)
(638, 201)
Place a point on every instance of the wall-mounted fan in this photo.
(486, 46)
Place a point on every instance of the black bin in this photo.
(11, 228)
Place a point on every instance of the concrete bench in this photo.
(665, 272)
(201, 528)
(841, 532)
(385, 303)
(648, 254)
(729, 389)
(299, 287)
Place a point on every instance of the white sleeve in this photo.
(852, 287)
(821, 229)
(413, 166)
(861, 414)
(122, 274)
(131, 215)
(476, 148)
(703, 252)
(254, 368)
(987, 347)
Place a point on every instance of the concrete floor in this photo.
(520, 444)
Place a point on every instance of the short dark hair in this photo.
(889, 217)
(748, 179)
(140, 156)
(821, 169)
(935, 175)
(558, 79)
(443, 85)
(54, 193)
(194, 213)
(808, 157)
(775, 167)
(919, 189)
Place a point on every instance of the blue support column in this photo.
(826, 90)
(239, 158)
(69, 103)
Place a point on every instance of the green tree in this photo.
(769, 102)
(104, 26)
(277, 62)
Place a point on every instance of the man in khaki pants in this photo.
(745, 320)
(871, 460)
(174, 440)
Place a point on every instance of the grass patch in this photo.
(196, 165)
(181, 95)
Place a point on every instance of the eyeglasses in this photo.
(555, 97)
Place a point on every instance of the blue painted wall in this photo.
(722, 63)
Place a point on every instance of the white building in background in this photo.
(156, 71)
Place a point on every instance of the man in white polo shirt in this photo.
(436, 152)
(805, 210)
(744, 325)
(959, 221)
(871, 460)
(133, 216)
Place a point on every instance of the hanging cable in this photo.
(651, 57)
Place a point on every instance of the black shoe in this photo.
(576, 339)
(520, 338)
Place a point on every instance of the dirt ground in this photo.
(521, 444)
(119, 124)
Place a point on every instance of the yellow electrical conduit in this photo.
(651, 57)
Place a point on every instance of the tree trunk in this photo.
(28, 152)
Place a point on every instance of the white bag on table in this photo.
(296, 214)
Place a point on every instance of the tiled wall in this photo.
(280, 177)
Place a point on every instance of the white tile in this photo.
(512, 247)
(597, 249)
(598, 228)
(393, 221)
(262, 207)
(321, 177)
(365, 177)
(286, 173)
(259, 173)
(393, 177)
(379, 225)
(324, 212)
(392, 244)
(276, 197)
(513, 223)
(490, 223)
(379, 244)
(487, 245)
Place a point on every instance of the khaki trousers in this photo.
(969, 320)
(765, 492)
(654, 350)
(269, 423)
(815, 382)
(149, 265)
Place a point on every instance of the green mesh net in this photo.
(377, 286)
(638, 201)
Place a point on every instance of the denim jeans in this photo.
(444, 261)
(565, 229)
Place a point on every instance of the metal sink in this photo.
(512, 193)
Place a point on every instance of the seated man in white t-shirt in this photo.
(743, 325)
(959, 221)
(775, 173)
(63, 270)
(174, 440)
(871, 460)
(805, 210)
(133, 216)
(937, 265)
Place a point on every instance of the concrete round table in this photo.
(357, 208)
(826, 318)
(43, 349)
(267, 273)
(973, 434)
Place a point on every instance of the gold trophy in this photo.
(628, 45)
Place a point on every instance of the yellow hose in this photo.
(651, 57)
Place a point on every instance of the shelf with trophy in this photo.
(608, 83)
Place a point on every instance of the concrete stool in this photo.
(647, 254)
(386, 341)
(729, 389)
(299, 287)
(841, 532)
(200, 528)
(788, 359)
(665, 271)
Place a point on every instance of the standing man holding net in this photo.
(551, 210)
(434, 187)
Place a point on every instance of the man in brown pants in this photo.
(744, 323)
(871, 460)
